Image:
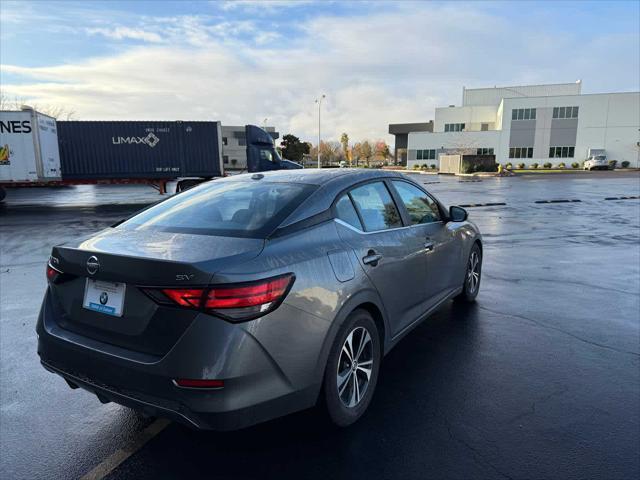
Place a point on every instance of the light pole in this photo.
(319, 102)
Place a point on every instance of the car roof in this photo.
(316, 176)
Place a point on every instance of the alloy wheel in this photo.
(355, 365)
(473, 272)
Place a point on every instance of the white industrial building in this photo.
(533, 124)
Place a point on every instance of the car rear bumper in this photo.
(256, 388)
(156, 407)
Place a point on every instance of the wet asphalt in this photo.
(539, 379)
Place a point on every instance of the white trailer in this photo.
(28, 147)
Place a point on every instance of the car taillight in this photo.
(191, 297)
(53, 273)
(234, 302)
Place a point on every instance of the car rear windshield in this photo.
(237, 209)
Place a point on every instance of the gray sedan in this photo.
(250, 297)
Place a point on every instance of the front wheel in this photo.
(352, 369)
(472, 275)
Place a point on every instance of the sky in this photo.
(243, 62)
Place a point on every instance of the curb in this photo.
(557, 201)
(472, 205)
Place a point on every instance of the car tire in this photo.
(472, 275)
(344, 401)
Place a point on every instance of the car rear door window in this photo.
(376, 207)
(420, 206)
(230, 208)
(346, 212)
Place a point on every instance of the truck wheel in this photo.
(3, 193)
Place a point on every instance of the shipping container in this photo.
(37, 151)
(28, 147)
(139, 149)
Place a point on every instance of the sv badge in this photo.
(182, 278)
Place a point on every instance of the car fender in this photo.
(469, 234)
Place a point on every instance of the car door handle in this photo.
(372, 258)
(428, 245)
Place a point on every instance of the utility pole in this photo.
(319, 102)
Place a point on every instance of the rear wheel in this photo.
(472, 275)
(352, 369)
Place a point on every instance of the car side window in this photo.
(376, 207)
(346, 212)
(420, 206)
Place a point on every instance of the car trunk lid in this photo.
(140, 258)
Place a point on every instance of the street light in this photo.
(319, 102)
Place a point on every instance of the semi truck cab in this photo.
(262, 155)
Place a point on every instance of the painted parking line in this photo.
(558, 201)
(472, 205)
(634, 197)
(468, 181)
(429, 183)
(110, 463)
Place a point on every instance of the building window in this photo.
(425, 154)
(521, 152)
(561, 152)
(225, 159)
(565, 112)
(242, 142)
(453, 127)
(523, 114)
(484, 127)
(224, 140)
(484, 151)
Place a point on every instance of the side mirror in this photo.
(457, 214)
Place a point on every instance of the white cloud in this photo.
(122, 33)
(254, 5)
(376, 69)
(262, 38)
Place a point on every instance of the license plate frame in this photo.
(104, 297)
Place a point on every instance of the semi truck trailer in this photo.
(36, 150)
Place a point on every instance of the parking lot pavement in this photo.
(539, 379)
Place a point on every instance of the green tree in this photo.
(344, 140)
(293, 148)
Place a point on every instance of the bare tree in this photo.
(462, 147)
(8, 103)
(330, 153)
(56, 111)
(366, 151)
